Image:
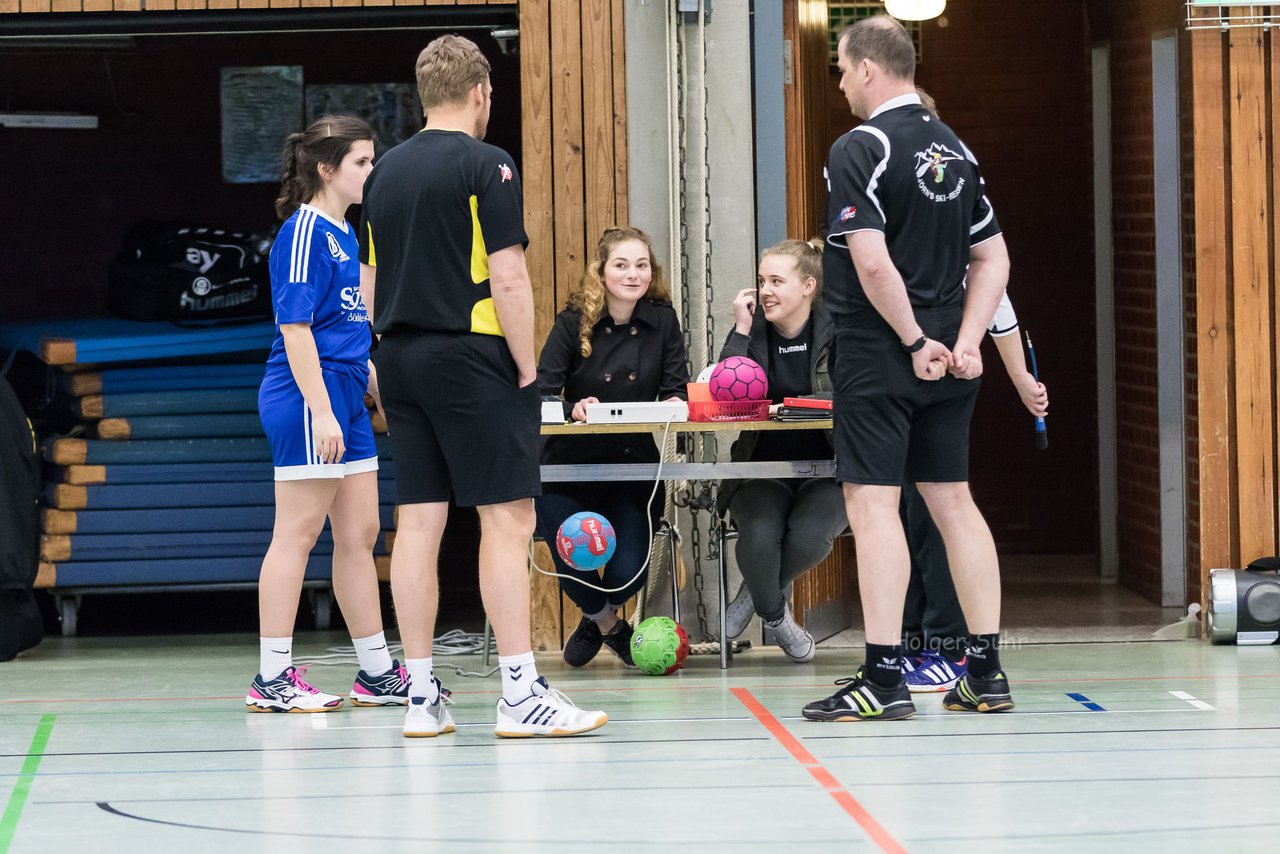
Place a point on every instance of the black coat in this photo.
(640, 360)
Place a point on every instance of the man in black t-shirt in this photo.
(442, 266)
(908, 223)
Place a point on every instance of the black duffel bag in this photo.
(20, 622)
(189, 273)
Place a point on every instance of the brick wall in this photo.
(1129, 28)
(1015, 87)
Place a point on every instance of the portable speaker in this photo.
(1244, 604)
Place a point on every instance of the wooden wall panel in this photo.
(1254, 311)
(1273, 65)
(544, 603)
(1215, 335)
(539, 206)
(804, 27)
(567, 144)
(597, 118)
(618, 73)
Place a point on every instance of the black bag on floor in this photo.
(20, 623)
(189, 274)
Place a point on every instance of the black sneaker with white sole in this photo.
(862, 700)
(974, 694)
(583, 645)
(618, 639)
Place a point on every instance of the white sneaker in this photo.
(545, 712)
(289, 692)
(423, 719)
(740, 613)
(792, 639)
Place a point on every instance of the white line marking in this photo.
(1205, 707)
(1199, 704)
(320, 721)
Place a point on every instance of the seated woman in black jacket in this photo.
(784, 526)
(618, 339)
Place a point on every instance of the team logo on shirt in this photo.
(933, 172)
(335, 250)
(847, 213)
(353, 305)
(505, 171)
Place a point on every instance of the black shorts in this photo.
(458, 423)
(892, 428)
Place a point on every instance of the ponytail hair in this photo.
(326, 141)
(807, 255)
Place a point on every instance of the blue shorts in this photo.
(287, 422)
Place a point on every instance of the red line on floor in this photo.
(825, 778)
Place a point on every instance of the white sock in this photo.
(275, 656)
(518, 675)
(373, 655)
(422, 679)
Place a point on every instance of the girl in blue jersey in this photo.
(312, 409)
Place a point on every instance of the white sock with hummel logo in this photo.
(422, 679)
(518, 675)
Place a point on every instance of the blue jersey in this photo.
(315, 279)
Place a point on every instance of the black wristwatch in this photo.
(918, 346)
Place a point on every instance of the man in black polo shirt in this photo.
(907, 215)
(442, 250)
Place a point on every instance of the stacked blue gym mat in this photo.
(173, 485)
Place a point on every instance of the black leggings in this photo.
(623, 504)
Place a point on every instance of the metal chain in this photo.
(706, 498)
(682, 162)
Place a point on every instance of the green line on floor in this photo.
(21, 788)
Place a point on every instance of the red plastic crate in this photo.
(728, 410)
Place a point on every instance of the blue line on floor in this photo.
(1086, 702)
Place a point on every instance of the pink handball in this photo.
(739, 378)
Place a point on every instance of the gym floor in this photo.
(142, 744)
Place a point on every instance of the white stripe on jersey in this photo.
(884, 164)
(295, 245)
(306, 253)
(991, 212)
(300, 251)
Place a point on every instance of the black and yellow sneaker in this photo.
(973, 694)
(862, 700)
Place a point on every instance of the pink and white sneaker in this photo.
(389, 689)
(289, 692)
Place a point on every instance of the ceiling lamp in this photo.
(915, 10)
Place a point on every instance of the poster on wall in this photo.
(261, 105)
(392, 108)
